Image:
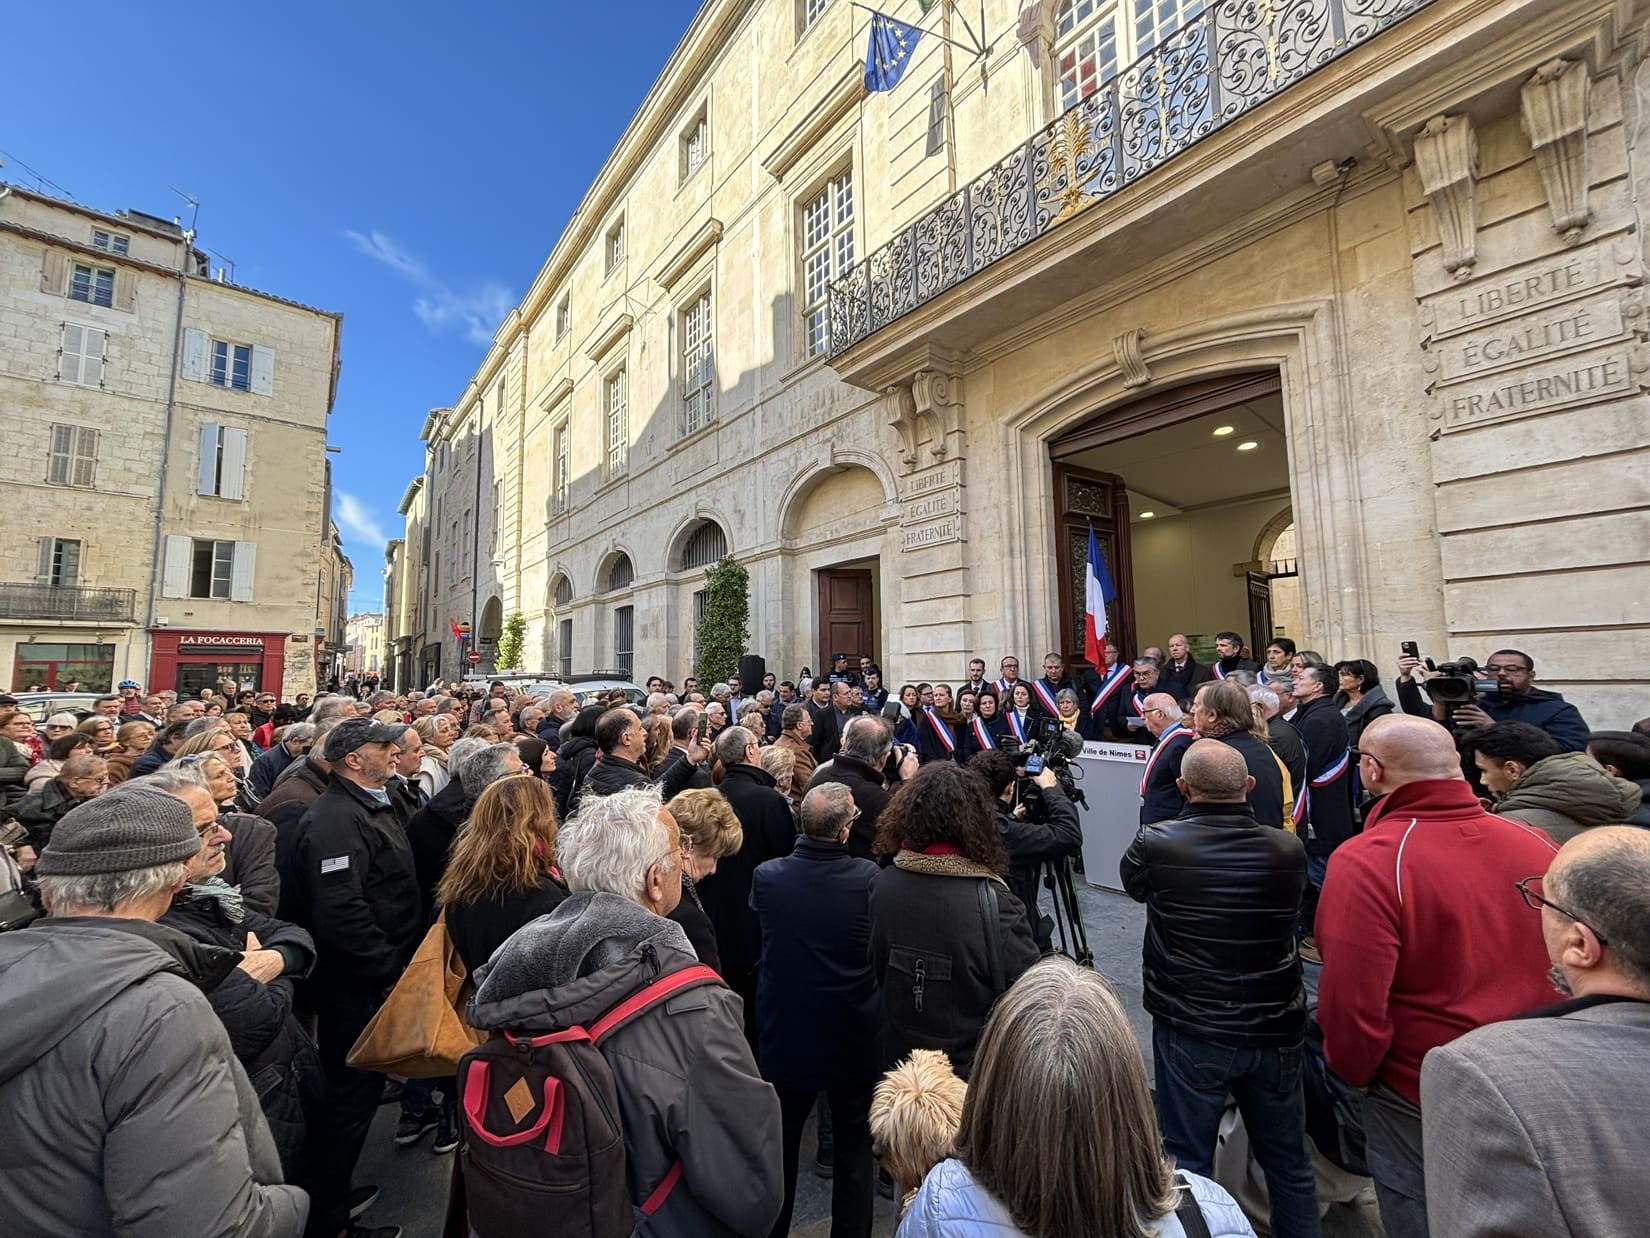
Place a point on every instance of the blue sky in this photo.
(408, 165)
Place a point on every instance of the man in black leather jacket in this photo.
(1032, 837)
(1222, 979)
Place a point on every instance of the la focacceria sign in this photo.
(237, 642)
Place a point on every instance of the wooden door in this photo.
(846, 618)
(1081, 499)
(1260, 614)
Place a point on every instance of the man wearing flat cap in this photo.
(122, 1106)
(359, 900)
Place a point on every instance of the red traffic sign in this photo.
(474, 655)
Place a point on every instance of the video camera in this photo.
(1458, 682)
(1048, 745)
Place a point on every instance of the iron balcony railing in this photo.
(1233, 57)
(69, 603)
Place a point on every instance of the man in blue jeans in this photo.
(1222, 978)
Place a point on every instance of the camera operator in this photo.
(1515, 698)
(870, 765)
(1036, 827)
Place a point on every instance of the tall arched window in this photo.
(620, 573)
(707, 544)
(562, 594)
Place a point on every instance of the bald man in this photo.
(1222, 981)
(1533, 1126)
(1160, 797)
(1423, 938)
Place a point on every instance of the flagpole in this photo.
(972, 51)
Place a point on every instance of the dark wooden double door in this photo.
(847, 615)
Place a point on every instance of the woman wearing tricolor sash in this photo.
(984, 730)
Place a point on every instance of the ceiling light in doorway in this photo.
(1223, 431)
(1247, 444)
(1147, 515)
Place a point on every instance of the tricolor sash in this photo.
(1330, 773)
(1044, 696)
(982, 733)
(940, 729)
(1005, 686)
(1110, 685)
(1219, 673)
(1162, 744)
(1017, 726)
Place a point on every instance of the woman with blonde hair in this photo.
(502, 870)
(710, 830)
(1058, 1081)
(131, 741)
(102, 731)
(781, 763)
(658, 741)
(218, 742)
(437, 732)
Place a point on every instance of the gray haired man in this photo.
(691, 1103)
(109, 1039)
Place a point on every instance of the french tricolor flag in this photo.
(1098, 592)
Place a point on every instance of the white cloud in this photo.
(356, 519)
(475, 311)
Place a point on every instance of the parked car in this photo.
(41, 705)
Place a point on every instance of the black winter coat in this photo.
(1161, 798)
(279, 1056)
(573, 761)
(360, 892)
(1222, 894)
(613, 773)
(249, 860)
(770, 832)
(1267, 797)
(1328, 807)
(932, 945)
(870, 795)
(1285, 740)
(479, 929)
(40, 811)
(701, 934)
(818, 1011)
(1030, 843)
(430, 834)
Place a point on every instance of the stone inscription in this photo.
(938, 478)
(1519, 292)
(934, 505)
(1538, 389)
(919, 536)
(1562, 329)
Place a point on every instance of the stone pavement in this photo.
(415, 1180)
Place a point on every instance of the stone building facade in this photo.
(1359, 278)
(166, 459)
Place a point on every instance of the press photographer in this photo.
(1037, 828)
(1464, 696)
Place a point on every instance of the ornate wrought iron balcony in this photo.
(67, 603)
(1235, 56)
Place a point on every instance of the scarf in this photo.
(1219, 730)
(216, 889)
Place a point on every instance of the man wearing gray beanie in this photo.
(122, 1107)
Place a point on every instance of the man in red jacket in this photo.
(1424, 937)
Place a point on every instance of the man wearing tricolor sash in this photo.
(1008, 674)
(1045, 692)
(1109, 692)
(1323, 807)
(1229, 656)
(1130, 726)
(936, 738)
(1160, 797)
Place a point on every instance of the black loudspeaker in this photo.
(751, 669)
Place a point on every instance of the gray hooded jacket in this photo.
(122, 1108)
(688, 1087)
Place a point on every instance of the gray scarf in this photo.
(228, 897)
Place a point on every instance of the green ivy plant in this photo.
(726, 623)
(510, 642)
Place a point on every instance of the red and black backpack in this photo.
(543, 1144)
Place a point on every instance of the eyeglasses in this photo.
(1535, 900)
(1505, 669)
(209, 831)
(1358, 754)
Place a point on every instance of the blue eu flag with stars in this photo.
(889, 53)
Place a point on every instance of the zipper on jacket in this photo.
(650, 960)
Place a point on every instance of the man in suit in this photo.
(1535, 1125)
(1045, 692)
(1182, 672)
(1160, 797)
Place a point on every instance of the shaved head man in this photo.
(1160, 797)
(1423, 938)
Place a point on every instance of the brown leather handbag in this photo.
(420, 1031)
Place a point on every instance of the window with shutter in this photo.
(213, 570)
(177, 572)
(263, 370)
(93, 285)
(194, 354)
(71, 457)
(231, 366)
(222, 461)
(242, 566)
(64, 570)
(84, 469)
(80, 354)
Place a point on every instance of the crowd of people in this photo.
(703, 918)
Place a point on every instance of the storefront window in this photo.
(44, 667)
(193, 676)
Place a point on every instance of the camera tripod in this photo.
(1073, 938)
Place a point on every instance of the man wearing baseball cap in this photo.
(122, 1106)
(358, 896)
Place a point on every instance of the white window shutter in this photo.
(68, 353)
(125, 289)
(85, 456)
(54, 272)
(174, 581)
(232, 485)
(43, 564)
(240, 581)
(263, 370)
(207, 481)
(194, 354)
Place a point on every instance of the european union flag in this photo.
(889, 53)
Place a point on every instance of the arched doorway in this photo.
(1178, 486)
(832, 524)
(488, 631)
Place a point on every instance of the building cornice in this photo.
(832, 108)
(411, 493)
(608, 337)
(674, 268)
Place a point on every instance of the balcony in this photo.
(67, 603)
(1235, 56)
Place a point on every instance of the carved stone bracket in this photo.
(1036, 31)
(1446, 156)
(937, 397)
(902, 416)
(1554, 103)
(1131, 358)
